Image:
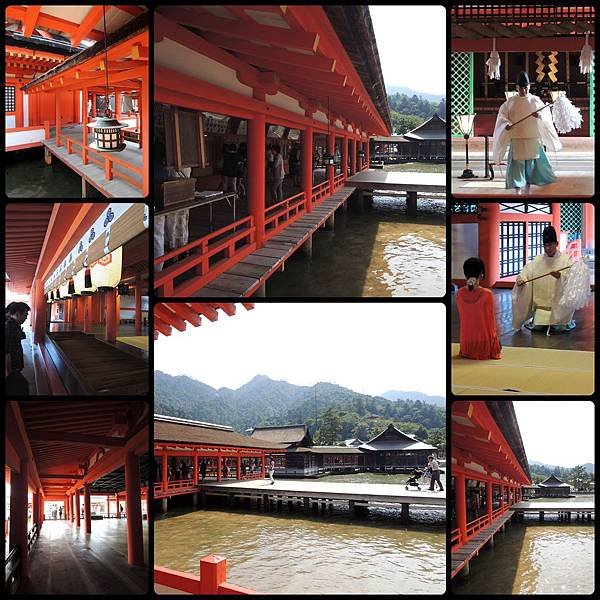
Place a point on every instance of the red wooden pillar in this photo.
(238, 464)
(213, 572)
(195, 469)
(117, 104)
(73, 311)
(40, 313)
(218, 466)
(77, 508)
(489, 499)
(331, 150)
(588, 225)
(57, 117)
(256, 175)
(555, 209)
(18, 514)
(344, 157)
(87, 314)
(356, 157)
(84, 127)
(501, 498)
(461, 505)
(145, 114)
(165, 473)
(111, 315)
(138, 306)
(306, 164)
(118, 507)
(107, 505)
(87, 508)
(368, 152)
(19, 98)
(133, 506)
(262, 466)
(36, 507)
(66, 503)
(489, 241)
(353, 156)
(94, 100)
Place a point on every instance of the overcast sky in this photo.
(558, 433)
(411, 41)
(367, 347)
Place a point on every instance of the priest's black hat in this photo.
(549, 235)
(523, 79)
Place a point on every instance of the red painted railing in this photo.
(107, 162)
(474, 526)
(456, 538)
(280, 215)
(212, 579)
(338, 181)
(210, 256)
(320, 192)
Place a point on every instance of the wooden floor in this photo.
(104, 368)
(573, 166)
(250, 273)
(65, 560)
(398, 180)
(465, 553)
(361, 492)
(580, 338)
(94, 174)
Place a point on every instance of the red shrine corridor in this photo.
(76, 485)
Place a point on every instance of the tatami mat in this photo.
(524, 371)
(139, 341)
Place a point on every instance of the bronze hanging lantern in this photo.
(108, 132)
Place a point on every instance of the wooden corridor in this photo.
(462, 556)
(95, 175)
(249, 275)
(65, 560)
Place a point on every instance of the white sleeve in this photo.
(546, 127)
(572, 292)
(501, 137)
(522, 304)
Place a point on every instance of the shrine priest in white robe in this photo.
(527, 141)
(548, 303)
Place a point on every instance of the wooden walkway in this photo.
(554, 506)
(399, 181)
(462, 556)
(247, 276)
(92, 173)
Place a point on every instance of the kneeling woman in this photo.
(475, 304)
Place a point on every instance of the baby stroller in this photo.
(413, 480)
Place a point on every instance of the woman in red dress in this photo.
(475, 304)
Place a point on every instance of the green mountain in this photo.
(263, 401)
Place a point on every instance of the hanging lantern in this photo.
(123, 289)
(108, 132)
(83, 284)
(88, 278)
(72, 288)
(57, 293)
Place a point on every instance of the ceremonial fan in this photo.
(565, 114)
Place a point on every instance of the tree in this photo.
(403, 123)
(577, 478)
(329, 431)
(437, 438)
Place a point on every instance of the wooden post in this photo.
(306, 247)
(195, 469)
(218, 466)
(238, 466)
(461, 505)
(111, 315)
(256, 175)
(331, 168)
(40, 312)
(118, 101)
(118, 507)
(411, 203)
(306, 165)
(87, 314)
(488, 234)
(213, 572)
(18, 514)
(165, 474)
(353, 156)
(344, 157)
(133, 506)
(87, 509)
(488, 499)
(404, 513)
(57, 117)
(138, 306)
(368, 152)
(84, 127)
(501, 498)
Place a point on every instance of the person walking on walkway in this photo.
(271, 470)
(60, 512)
(433, 464)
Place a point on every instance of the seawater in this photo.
(301, 553)
(534, 557)
(381, 252)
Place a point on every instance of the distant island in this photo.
(262, 402)
(409, 108)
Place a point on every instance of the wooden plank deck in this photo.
(92, 173)
(555, 506)
(360, 492)
(465, 553)
(399, 181)
(251, 272)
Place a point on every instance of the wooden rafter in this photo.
(31, 17)
(86, 26)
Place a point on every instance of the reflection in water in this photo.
(535, 558)
(380, 252)
(296, 554)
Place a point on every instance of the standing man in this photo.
(278, 174)
(526, 141)
(272, 470)
(433, 464)
(16, 383)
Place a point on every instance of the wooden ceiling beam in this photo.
(86, 26)
(277, 36)
(42, 435)
(31, 17)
